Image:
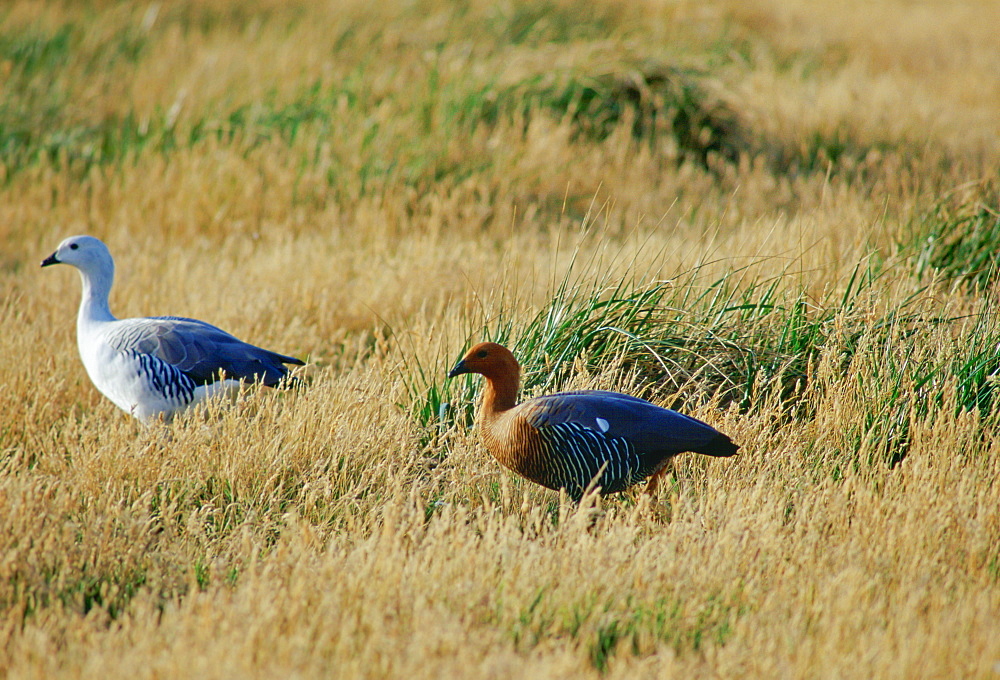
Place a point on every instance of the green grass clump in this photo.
(731, 338)
(612, 627)
(30, 51)
(958, 240)
(542, 22)
(660, 103)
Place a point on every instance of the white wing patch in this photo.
(602, 424)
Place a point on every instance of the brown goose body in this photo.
(570, 440)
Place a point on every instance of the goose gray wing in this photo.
(199, 350)
(645, 425)
(614, 438)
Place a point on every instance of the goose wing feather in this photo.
(647, 427)
(199, 350)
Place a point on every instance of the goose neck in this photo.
(94, 302)
(499, 396)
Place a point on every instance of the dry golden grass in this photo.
(370, 186)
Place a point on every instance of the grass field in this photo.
(783, 220)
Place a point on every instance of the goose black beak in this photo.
(458, 370)
(51, 259)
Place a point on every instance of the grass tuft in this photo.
(956, 240)
(666, 107)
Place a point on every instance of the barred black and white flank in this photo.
(584, 439)
(157, 366)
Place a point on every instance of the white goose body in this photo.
(155, 366)
(138, 383)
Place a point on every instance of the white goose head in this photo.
(97, 269)
(86, 253)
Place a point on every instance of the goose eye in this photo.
(74, 246)
(482, 353)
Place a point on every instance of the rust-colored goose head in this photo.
(490, 360)
(501, 370)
